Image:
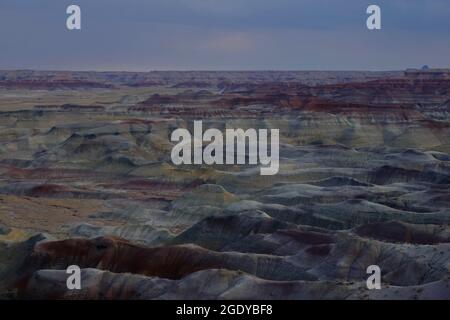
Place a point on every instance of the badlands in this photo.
(86, 179)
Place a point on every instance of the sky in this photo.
(145, 35)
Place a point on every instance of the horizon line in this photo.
(216, 70)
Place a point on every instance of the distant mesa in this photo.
(427, 73)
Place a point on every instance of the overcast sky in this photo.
(143, 35)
